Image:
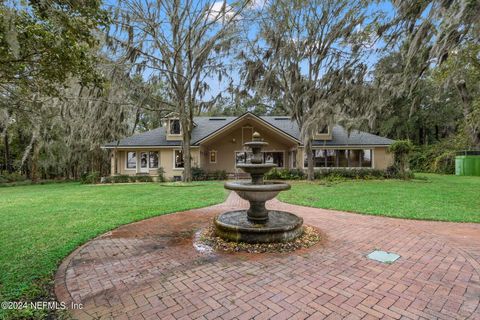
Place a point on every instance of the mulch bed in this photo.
(310, 237)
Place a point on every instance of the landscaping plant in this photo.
(401, 150)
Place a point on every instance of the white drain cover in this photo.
(382, 256)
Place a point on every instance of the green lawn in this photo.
(430, 197)
(41, 224)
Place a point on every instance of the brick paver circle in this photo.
(150, 270)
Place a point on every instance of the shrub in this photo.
(393, 172)
(90, 178)
(143, 179)
(296, 174)
(107, 179)
(198, 174)
(217, 175)
(123, 178)
(438, 157)
(161, 174)
(401, 150)
(11, 177)
(360, 173)
(445, 162)
(285, 174)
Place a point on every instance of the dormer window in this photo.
(174, 125)
(323, 130)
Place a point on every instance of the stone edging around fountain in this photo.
(281, 226)
(208, 240)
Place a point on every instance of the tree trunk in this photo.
(137, 119)
(187, 159)
(8, 165)
(36, 153)
(28, 149)
(310, 164)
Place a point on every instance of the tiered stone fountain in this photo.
(257, 224)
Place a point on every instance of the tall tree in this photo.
(426, 116)
(309, 55)
(182, 43)
(426, 34)
(43, 43)
(61, 136)
(461, 72)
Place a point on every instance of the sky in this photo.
(217, 86)
(220, 86)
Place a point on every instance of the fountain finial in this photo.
(256, 136)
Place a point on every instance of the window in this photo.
(179, 159)
(318, 159)
(366, 158)
(153, 159)
(144, 160)
(175, 126)
(268, 157)
(213, 156)
(342, 158)
(323, 130)
(131, 160)
(273, 157)
(354, 158)
(243, 157)
(333, 158)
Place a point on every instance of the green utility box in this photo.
(467, 163)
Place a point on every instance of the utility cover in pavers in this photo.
(382, 256)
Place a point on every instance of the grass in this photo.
(41, 224)
(429, 197)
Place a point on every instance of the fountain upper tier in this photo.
(257, 192)
(253, 168)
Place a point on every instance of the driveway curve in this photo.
(150, 270)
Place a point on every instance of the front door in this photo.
(144, 162)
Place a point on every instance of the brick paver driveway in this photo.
(150, 270)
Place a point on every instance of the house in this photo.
(217, 144)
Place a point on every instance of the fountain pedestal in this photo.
(257, 224)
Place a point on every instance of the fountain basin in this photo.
(281, 226)
(257, 192)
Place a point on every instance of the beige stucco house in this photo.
(217, 144)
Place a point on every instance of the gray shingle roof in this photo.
(342, 138)
(208, 125)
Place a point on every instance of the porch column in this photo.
(113, 162)
(137, 157)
